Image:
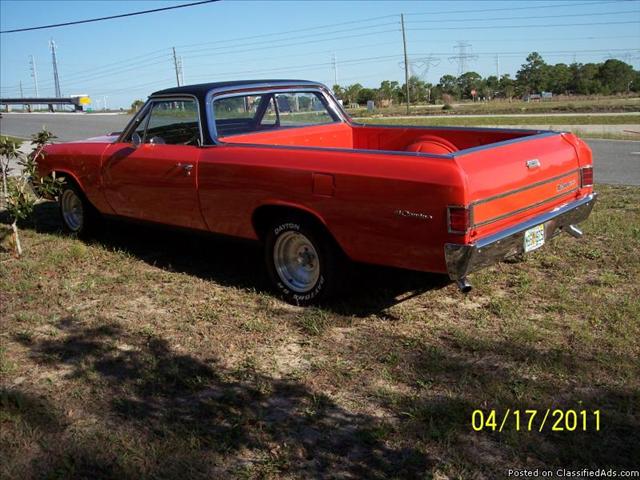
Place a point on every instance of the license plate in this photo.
(534, 238)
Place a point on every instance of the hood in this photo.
(100, 139)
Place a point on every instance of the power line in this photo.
(299, 30)
(261, 42)
(111, 17)
(491, 27)
(572, 15)
(532, 7)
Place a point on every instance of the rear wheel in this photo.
(79, 217)
(303, 261)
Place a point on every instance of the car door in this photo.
(152, 173)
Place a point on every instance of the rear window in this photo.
(253, 113)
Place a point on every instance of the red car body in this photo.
(435, 199)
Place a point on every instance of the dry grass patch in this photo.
(123, 357)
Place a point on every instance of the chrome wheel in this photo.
(296, 261)
(72, 210)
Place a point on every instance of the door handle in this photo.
(187, 167)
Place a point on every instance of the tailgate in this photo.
(517, 179)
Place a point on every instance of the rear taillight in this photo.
(586, 176)
(458, 219)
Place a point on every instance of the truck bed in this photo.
(426, 140)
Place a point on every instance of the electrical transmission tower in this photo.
(34, 73)
(56, 80)
(420, 67)
(463, 56)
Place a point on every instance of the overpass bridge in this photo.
(78, 102)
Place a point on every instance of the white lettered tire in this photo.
(302, 261)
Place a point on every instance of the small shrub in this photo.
(21, 193)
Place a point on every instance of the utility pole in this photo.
(56, 80)
(335, 70)
(498, 67)
(105, 102)
(24, 107)
(406, 60)
(175, 64)
(34, 74)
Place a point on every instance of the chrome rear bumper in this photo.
(464, 259)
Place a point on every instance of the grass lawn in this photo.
(15, 139)
(152, 354)
(557, 105)
(461, 121)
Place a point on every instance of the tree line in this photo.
(534, 77)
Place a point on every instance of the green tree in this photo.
(389, 90)
(449, 84)
(418, 89)
(585, 78)
(366, 94)
(136, 105)
(507, 86)
(467, 82)
(559, 78)
(533, 75)
(615, 76)
(338, 91)
(351, 93)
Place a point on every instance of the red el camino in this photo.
(281, 162)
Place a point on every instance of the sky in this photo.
(125, 59)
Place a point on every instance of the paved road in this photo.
(66, 126)
(616, 161)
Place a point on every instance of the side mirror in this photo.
(136, 140)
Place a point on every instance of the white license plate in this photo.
(534, 238)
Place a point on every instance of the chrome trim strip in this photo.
(335, 149)
(524, 209)
(522, 189)
(518, 190)
(444, 127)
(256, 88)
(462, 259)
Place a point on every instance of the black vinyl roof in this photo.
(201, 89)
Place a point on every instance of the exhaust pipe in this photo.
(463, 285)
(574, 231)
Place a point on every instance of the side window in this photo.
(236, 115)
(173, 122)
(140, 127)
(270, 117)
(302, 108)
(250, 113)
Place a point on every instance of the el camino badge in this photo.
(533, 163)
(409, 214)
(562, 186)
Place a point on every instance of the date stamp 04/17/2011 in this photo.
(534, 420)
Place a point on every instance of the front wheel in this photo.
(78, 215)
(302, 261)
